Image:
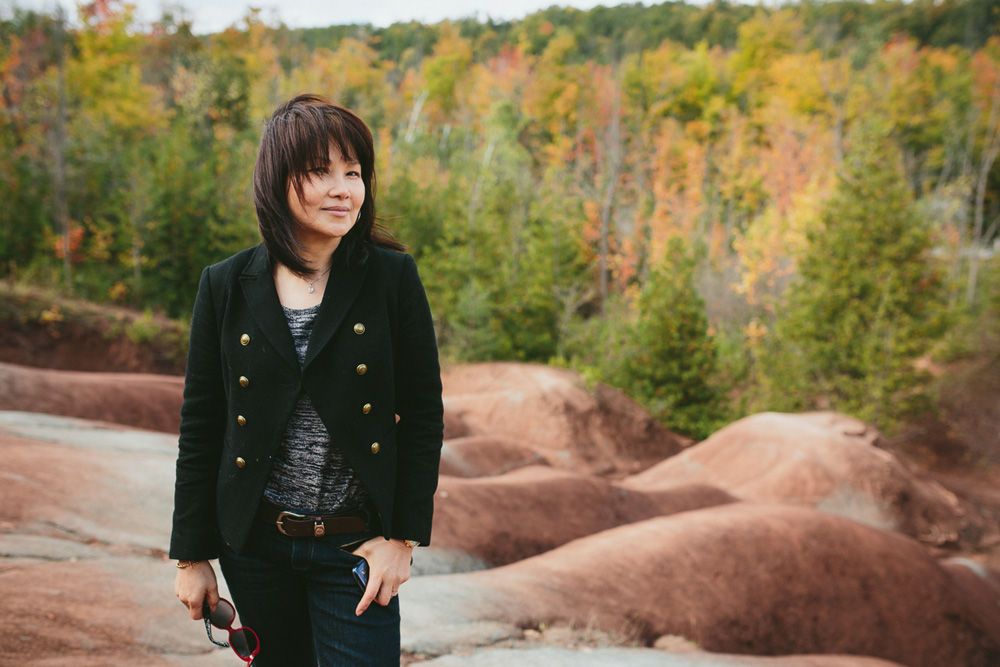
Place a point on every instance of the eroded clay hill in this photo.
(763, 579)
(502, 415)
(558, 507)
(830, 462)
(140, 400)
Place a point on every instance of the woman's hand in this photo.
(388, 568)
(195, 585)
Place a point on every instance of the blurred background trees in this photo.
(717, 208)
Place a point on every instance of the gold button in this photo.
(375, 448)
(362, 369)
(366, 408)
(245, 339)
(244, 381)
(359, 328)
(241, 420)
(241, 462)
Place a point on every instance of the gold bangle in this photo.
(181, 564)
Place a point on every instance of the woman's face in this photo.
(331, 202)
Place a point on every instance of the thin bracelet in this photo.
(188, 563)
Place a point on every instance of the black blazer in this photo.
(372, 356)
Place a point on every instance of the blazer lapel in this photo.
(342, 288)
(260, 294)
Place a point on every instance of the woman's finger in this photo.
(370, 593)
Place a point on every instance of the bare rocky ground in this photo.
(570, 529)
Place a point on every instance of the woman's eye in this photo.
(354, 174)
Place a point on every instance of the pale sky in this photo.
(216, 15)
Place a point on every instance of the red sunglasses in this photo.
(243, 641)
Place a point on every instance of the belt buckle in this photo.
(287, 515)
(319, 528)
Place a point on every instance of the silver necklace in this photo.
(313, 289)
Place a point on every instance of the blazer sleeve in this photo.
(194, 535)
(420, 430)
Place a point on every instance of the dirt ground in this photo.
(568, 448)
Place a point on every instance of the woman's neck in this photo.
(318, 253)
(295, 291)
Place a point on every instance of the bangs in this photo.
(312, 132)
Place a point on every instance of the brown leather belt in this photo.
(294, 524)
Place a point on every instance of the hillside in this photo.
(43, 330)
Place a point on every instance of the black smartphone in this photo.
(360, 572)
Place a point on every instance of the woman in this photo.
(312, 419)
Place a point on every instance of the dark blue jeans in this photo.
(299, 596)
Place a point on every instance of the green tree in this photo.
(498, 266)
(671, 359)
(868, 300)
(26, 51)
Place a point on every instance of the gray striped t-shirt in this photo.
(309, 473)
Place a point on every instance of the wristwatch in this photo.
(411, 543)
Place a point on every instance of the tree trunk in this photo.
(612, 171)
(137, 211)
(991, 147)
(59, 156)
(411, 127)
(477, 187)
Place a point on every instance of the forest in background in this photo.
(719, 209)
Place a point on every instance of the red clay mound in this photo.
(151, 402)
(823, 460)
(532, 510)
(548, 409)
(755, 579)
(981, 588)
(537, 414)
(483, 456)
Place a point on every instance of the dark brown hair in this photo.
(296, 139)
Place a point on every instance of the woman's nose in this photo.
(338, 187)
